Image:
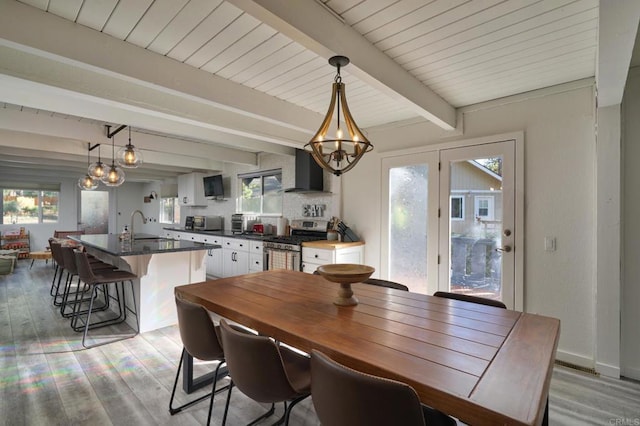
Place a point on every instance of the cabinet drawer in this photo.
(236, 244)
(256, 247)
(256, 262)
(317, 255)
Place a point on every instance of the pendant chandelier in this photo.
(97, 169)
(129, 156)
(114, 175)
(88, 182)
(334, 149)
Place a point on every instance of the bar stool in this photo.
(69, 262)
(56, 253)
(101, 279)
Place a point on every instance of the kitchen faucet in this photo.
(144, 220)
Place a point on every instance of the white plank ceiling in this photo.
(460, 52)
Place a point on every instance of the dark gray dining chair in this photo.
(472, 299)
(346, 397)
(264, 371)
(200, 340)
(380, 283)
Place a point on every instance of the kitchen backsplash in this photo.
(295, 205)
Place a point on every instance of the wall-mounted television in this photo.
(213, 186)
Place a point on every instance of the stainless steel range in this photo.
(284, 252)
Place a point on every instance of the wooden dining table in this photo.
(480, 364)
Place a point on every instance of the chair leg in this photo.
(226, 409)
(293, 403)
(122, 314)
(195, 401)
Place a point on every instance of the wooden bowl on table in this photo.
(345, 274)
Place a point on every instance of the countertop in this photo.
(225, 233)
(331, 244)
(143, 244)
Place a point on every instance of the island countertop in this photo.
(143, 244)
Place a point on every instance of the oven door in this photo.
(282, 259)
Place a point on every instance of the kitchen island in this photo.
(160, 264)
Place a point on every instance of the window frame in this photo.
(490, 207)
(40, 189)
(176, 210)
(262, 175)
(462, 206)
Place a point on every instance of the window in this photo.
(29, 205)
(484, 208)
(457, 207)
(169, 210)
(261, 192)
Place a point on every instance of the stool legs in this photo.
(120, 298)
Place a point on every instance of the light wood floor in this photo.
(46, 378)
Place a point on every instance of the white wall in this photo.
(559, 201)
(630, 339)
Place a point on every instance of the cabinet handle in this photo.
(316, 256)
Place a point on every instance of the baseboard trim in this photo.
(608, 370)
(572, 359)
(631, 373)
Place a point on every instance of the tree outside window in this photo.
(25, 206)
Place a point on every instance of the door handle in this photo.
(505, 249)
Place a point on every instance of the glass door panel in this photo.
(477, 182)
(412, 208)
(94, 212)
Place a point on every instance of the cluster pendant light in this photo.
(332, 148)
(128, 156)
(88, 182)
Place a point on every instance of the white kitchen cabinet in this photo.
(191, 190)
(256, 256)
(319, 253)
(214, 257)
(235, 257)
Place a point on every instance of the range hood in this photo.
(309, 176)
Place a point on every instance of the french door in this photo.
(450, 221)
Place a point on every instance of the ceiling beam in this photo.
(46, 148)
(617, 27)
(61, 54)
(312, 25)
(65, 128)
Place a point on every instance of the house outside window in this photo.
(29, 205)
(457, 207)
(169, 210)
(484, 207)
(261, 192)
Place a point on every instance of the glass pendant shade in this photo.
(128, 156)
(97, 170)
(335, 149)
(114, 176)
(87, 183)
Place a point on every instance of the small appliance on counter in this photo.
(242, 223)
(262, 229)
(188, 223)
(208, 223)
